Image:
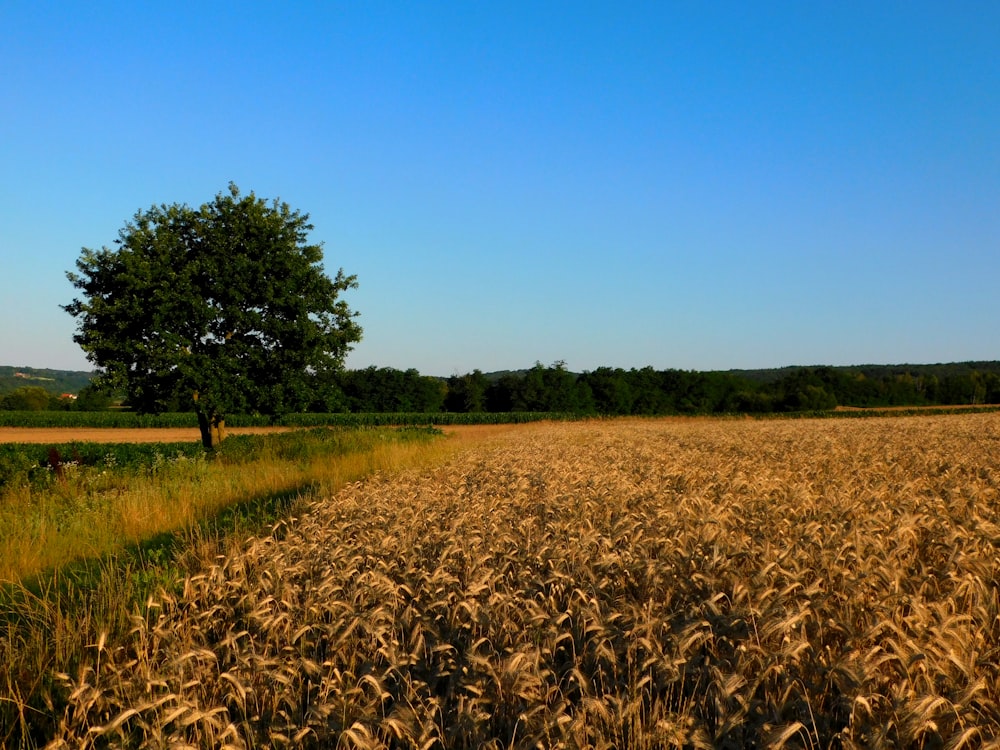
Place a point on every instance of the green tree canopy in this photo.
(467, 393)
(27, 398)
(227, 304)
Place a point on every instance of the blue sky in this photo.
(676, 184)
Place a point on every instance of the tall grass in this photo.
(80, 554)
(91, 511)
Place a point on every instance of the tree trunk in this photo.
(213, 429)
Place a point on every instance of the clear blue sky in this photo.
(695, 185)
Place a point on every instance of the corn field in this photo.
(638, 584)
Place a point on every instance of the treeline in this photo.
(645, 391)
(610, 391)
(37, 398)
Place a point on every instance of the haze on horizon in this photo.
(678, 185)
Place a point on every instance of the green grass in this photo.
(43, 465)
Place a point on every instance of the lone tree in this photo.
(226, 305)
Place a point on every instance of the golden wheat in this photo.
(637, 584)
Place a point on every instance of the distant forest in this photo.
(616, 391)
(604, 391)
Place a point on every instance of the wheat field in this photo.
(625, 584)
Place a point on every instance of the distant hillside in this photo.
(497, 374)
(877, 371)
(773, 375)
(73, 381)
(53, 381)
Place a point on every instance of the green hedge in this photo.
(120, 419)
(94, 419)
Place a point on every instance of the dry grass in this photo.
(622, 584)
(79, 556)
(96, 513)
